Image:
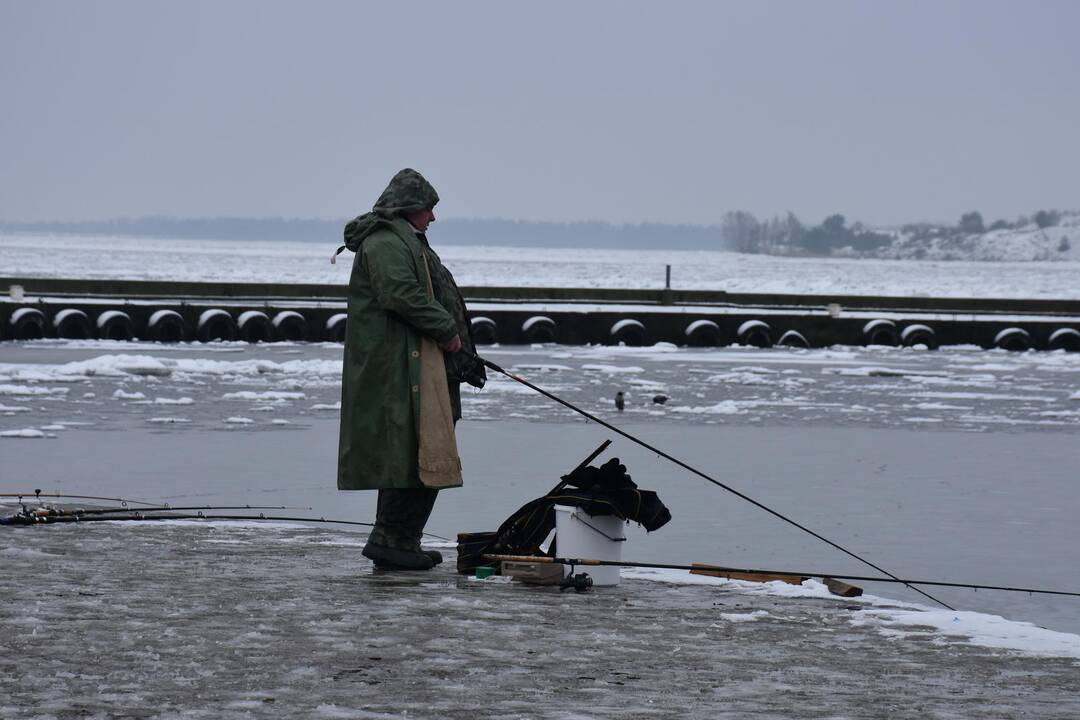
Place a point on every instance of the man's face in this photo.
(420, 219)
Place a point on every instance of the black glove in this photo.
(474, 372)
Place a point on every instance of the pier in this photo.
(32, 308)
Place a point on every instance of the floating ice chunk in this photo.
(53, 427)
(23, 433)
(238, 420)
(878, 371)
(173, 401)
(326, 406)
(744, 617)
(542, 367)
(612, 369)
(24, 390)
(1075, 395)
(739, 378)
(279, 421)
(725, 407)
(168, 420)
(121, 394)
(265, 395)
(13, 408)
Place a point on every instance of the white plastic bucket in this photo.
(579, 535)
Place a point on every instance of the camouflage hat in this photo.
(407, 191)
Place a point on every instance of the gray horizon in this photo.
(624, 113)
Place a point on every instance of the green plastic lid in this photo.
(484, 571)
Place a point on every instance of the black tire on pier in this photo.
(484, 331)
(291, 326)
(335, 327)
(1013, 339)
(165, 326)
(919, 335)
(628, 332)
(703, 333)
(27, 323)
(254, 326)
(881, 332)
(115, 325)
(755, 333)
(793, 339)
(540, 329)
(215, 324)
(1067, 339)
(72, 324)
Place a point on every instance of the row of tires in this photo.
(165, 325)
(169, 326)
(758, 333)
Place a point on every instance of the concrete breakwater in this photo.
(32, 308)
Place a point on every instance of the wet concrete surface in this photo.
(200, 620)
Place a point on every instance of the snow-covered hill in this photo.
(1030, 242)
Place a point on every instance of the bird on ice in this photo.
(660, 399)
(620, 403)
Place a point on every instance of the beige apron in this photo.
(440, 465)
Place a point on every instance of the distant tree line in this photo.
(739, 231)
(786, 235)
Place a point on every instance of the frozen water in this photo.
(73, 256)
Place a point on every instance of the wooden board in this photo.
(713, 571)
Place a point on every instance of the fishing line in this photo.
(703, 475)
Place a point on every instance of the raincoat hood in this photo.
(408, 191)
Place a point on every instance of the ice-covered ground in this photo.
(232, 620)
(304, 262)
(954, 465)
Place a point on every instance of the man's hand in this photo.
(452, 345)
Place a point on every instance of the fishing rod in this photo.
(699, 473)
(709, 569)
(38, 494)
(48, 510)
(138, 515)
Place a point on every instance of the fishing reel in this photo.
(579, 582)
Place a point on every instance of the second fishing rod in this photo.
(492, 366)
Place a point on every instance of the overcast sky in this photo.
(618, 111)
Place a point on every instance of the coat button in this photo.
(416, 388)
(415, 353)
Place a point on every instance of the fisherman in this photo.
(408, 347)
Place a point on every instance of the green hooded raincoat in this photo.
(390, 309)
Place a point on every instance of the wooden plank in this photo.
(713, 571)
(843, 589)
